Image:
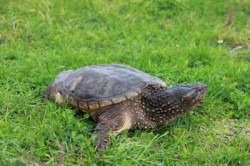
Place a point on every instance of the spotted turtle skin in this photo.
(120, 98)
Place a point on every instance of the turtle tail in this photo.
(50, 91)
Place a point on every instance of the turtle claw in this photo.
(100, 137)
(101, 147)
(102, 143)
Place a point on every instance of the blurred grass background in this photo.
(179, 41)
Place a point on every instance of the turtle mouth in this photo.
(199, 103)
(201, 93)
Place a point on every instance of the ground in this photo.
(179, 41)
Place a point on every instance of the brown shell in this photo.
(94, 87)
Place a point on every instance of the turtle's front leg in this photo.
(101, 134)
(110, 122)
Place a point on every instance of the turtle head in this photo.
(166, 104)
(189, 96)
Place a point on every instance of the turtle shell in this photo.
(94, 87)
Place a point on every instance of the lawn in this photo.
(179, 41)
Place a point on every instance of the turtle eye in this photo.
(188, 97)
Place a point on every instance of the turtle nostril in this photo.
(199, 88)
(202, 87)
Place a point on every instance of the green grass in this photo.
(175, 40)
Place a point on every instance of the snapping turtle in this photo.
(120, 97)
